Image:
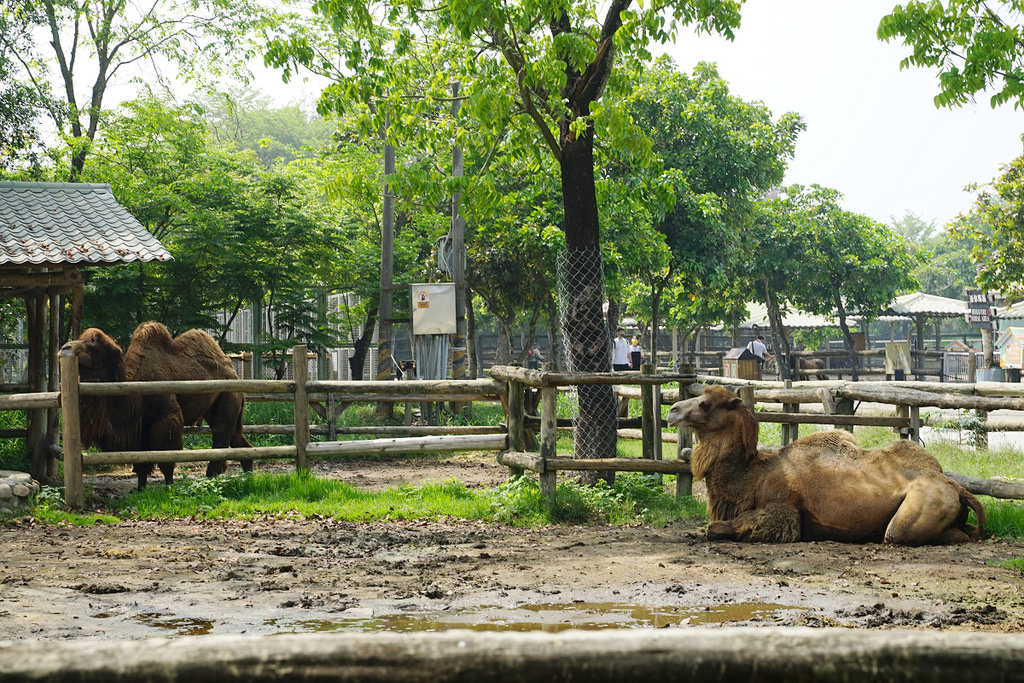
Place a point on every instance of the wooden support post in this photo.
(548, 440)
(548, 422)
(915, 423)
(516, 421)
(52, 382)
(656, 403)
(903, 410)
(684, 481)
(647, 415)
(516, 417)
(790, 432)
(981, 435)
(74, 496)
(299, 374)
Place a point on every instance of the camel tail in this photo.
(967, 498)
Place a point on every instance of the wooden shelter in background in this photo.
(48, 233)
(919, 307)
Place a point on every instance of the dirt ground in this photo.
(191, 577)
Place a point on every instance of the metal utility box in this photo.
(433, 308)
(740, 363)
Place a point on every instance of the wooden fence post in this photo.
(790, 432)
(684, 481)
(548, 440)
(647, 415)
(516, 422)
(299, 374)
(74, 496)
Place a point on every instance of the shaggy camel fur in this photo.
(156, 422)
(820, 487)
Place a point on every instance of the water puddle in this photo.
(548, 617)
(182, 626)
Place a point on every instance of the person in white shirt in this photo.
(759, 350)
(620, 352)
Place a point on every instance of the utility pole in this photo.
(460, 359)
(387, 247)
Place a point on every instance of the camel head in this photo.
(715, 414)
(99, 356)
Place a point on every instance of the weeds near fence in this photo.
(633, 499)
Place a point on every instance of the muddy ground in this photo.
(188, 577)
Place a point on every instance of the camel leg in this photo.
(166, 435)
(142, 471)
(773, 523)
(225, 420)
(927, 515)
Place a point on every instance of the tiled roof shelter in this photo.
(48, 231)
(48, 224)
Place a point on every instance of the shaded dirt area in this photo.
(143, 579)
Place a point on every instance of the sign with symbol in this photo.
(434, 309)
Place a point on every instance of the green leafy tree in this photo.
(817, 256)
(239, 233)
(720, 153)
(90, 46)
(976, 46)
(536, 77)
(992, 231)
(947, 270)
(245, 118)
(20, 107)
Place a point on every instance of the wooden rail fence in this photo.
(509, 385)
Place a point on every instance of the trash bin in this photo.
(990, 375)
(740, 363)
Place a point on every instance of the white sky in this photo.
(873, 132)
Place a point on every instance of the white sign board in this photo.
(433, 308)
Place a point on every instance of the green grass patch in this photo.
(633, 499)
(14, 453)
(300, 495)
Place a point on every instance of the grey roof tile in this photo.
(81, 223)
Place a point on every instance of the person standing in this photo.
(620, 352)
(635, 354)
(760, 351)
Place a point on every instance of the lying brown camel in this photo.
(820, 487)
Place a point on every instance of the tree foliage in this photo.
(976, 46)
(947, 269)
(535, 77)
(819, 257)
(239, 233)
(90, 46)
(719, 155)
(993, 232)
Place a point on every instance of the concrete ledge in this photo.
(695, 655)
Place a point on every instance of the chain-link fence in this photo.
(587, 349)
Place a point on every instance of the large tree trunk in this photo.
(362, 346)
(851, 346)
(783, 356)
(585, 331)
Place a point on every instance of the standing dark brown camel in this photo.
(157, 421)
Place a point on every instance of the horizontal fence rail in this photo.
(837, 400)
(302, 392)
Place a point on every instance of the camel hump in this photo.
(152, 333)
